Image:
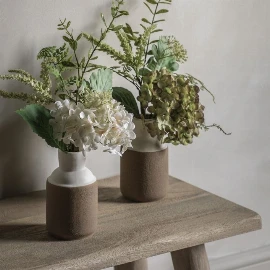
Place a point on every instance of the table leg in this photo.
(194, 258)
(137, 265)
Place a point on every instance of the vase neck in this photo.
(144, 142)
(70, 162)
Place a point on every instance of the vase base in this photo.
(69, 237)
(144, 175)
(71, 213)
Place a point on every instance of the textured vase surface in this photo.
(144, 168)
(72, 198)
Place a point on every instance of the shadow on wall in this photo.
(14, 158)
(18, 146)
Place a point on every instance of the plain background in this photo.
(228, 44)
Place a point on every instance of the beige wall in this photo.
(228, 44)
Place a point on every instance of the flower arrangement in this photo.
(89, 111)
(85, 114)
(168, 99)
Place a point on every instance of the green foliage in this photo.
(38, 117)
(42, 91)
(29, 98)
(134, 57)
(126, 98)
(166, 53)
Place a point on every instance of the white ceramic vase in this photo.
(72, 198)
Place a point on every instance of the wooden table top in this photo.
(127, 231)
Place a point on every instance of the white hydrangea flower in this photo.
(109, 125)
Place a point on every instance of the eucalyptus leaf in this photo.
(126, 98)
(173, 66)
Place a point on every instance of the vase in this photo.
(72, 198)
(144, 168)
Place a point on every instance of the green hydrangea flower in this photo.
(173, 101)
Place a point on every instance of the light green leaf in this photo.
(157, 30)
(117, 28)
(101, 80)
(145, 72)
(94, 58)
(79, 36)
(128, 29)
(149, 8)
(173, 66)
(153, 2)
(163, 11)
(103, 18)
(126, 98)
(143, 26)
(68, 64)
(38, 118)
(74, 45)
(161, 20)
(65, 38)
(145, 20)
(124, 12)
(154, 41)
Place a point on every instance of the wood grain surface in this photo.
(127, 231)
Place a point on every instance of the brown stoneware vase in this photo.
(72, 199)
(144, 168)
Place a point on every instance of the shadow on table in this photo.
(25, 232)
(111, 195)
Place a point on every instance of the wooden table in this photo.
(128, 232)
